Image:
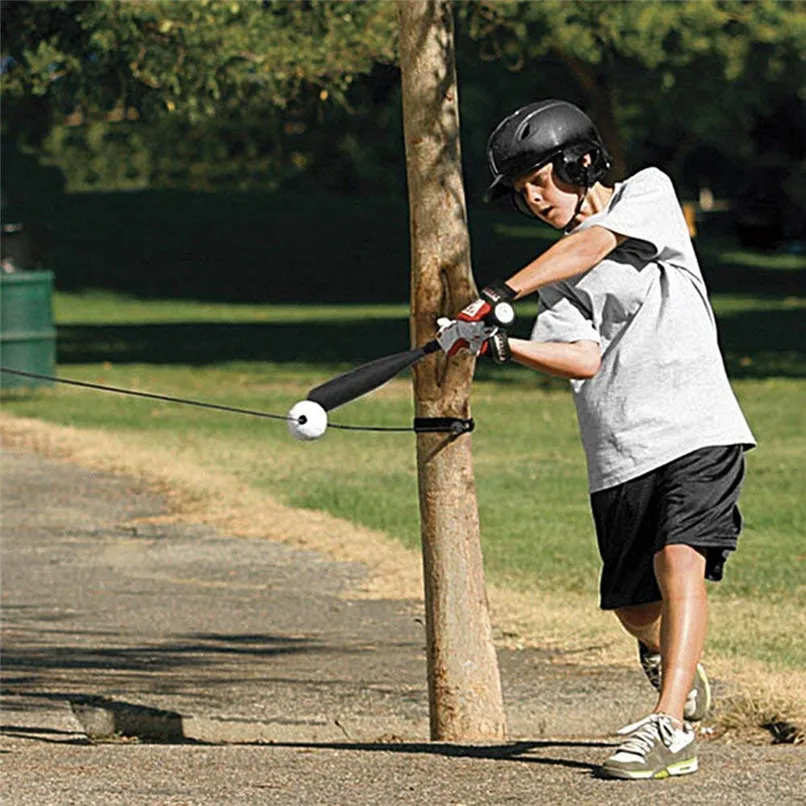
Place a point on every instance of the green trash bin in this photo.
(27, 334)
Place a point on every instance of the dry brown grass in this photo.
(758, 719)
(569, 624)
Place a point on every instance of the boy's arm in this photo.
(574, 360)
(570, 256)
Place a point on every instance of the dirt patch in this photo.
(763, 698)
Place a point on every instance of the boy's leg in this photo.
(680, 571)
(664, 508)
(642, 622)
(663, 743)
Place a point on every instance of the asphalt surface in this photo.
(145, 662)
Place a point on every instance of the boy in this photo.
(624, 314)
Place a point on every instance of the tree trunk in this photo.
(463, 680)
(596, 83)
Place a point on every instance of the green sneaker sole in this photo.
(685, 767)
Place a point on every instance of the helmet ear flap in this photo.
(602, 162)
(570, 166)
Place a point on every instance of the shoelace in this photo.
(644, 733)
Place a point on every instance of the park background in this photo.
(219, 189)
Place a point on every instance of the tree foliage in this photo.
(198, 59)
(221, 93)
(199, 94)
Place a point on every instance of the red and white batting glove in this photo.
(454, 335)
(492, 305)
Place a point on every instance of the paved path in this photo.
(249, 676)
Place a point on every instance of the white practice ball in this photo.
(307, 420)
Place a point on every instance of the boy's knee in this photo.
(679, 558)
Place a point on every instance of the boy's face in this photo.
(547, 196)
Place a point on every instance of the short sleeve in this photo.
(562, 318)
(646, 209)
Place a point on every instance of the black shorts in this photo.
(692, 500)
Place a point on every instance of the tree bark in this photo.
(463, 680)
(597, 86)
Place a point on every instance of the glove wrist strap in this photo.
(499, 348)
(499, 291)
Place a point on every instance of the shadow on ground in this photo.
(163, 667)
(509, 751)
(104, 720)
(210, 343)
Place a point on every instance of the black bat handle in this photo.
(362, 379)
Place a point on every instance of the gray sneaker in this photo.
(654, 749)
(698, 702)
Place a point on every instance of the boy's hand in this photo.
(455, 335)
(492, 304)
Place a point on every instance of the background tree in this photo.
(701, 87)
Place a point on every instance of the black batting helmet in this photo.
(546, 131)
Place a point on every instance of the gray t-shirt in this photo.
(662, 390)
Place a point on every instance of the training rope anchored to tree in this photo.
(303, 423)
(308, 420)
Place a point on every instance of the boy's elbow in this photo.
(587, 371)
(589, 360)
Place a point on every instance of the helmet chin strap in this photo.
(582, 197)
(522, 206)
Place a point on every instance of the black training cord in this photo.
(198, 403)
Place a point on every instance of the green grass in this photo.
(106, 308)
(530, 469)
